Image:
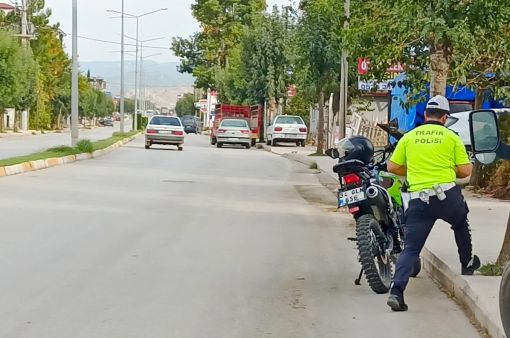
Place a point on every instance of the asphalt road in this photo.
(201, 243)
(28, 144)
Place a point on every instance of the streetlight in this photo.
(122, 69)
(137, 17)
(139, 75)
(144, 102)
(74, 80)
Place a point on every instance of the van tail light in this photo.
(245, 131)
(178, 132)
(278, 129)
(221, 131)
(152, 131)
(351, 179)
(303, 130)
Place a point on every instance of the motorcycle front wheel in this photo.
(376, 264)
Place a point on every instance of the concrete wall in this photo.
(373, 108)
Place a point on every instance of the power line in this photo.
(118, 43)
(151, 85)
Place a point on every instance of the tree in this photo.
(53, 77)
(26, 79)
(259, 67)
(300, 105)
(16, 72)
(222, 24)
(318, 44)
(185, 105)
(436, 40)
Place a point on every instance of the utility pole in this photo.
(138, 43)
(344, 69)
(208, 114)
(25, 38)
(74, 81)
(140, 94)
(135, 116)
(122, 69)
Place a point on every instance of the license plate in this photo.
(233, 139)
(290, 135)
(351, 196)
(164, 132)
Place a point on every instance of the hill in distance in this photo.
(163, 81)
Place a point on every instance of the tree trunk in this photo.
(320, 125)
(264, 122)
(59, 119)
(504, 254)
(439, 67)
(273, 108)
(478, 168)
(2, 116)
(15, 122)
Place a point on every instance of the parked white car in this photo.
(287, 128)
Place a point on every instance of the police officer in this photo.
(432, 157)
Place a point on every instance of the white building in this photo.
(6, 8)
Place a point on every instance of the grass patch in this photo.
(84, 146)
(313, 165)
(53, 152)
(116, 137)
(491, 269)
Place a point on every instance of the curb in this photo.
(458, 288)
(25, 167)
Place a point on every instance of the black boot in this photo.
(472, 266)
(396, 300)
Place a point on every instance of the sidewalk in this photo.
(10, 133)
(478, 295)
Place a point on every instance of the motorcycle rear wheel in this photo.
(376, 264)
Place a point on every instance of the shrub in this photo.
(85, 146)
(491, 269)
(142, 122)
(314, 165)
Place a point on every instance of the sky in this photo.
(94, 22)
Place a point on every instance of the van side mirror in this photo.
(484, 132)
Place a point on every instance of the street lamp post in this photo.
(344, 69)
(122, 70)
(74, 81)
(137, 77)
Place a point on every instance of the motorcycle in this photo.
(373, 197)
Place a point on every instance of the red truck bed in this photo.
(252, 114)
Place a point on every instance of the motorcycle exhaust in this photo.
(372, 192)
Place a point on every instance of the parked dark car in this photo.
(108, 122)
(191, 124)
(105, 121)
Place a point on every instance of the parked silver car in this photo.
(233, 131)
(164, 130)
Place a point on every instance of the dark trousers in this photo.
(419, 220)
